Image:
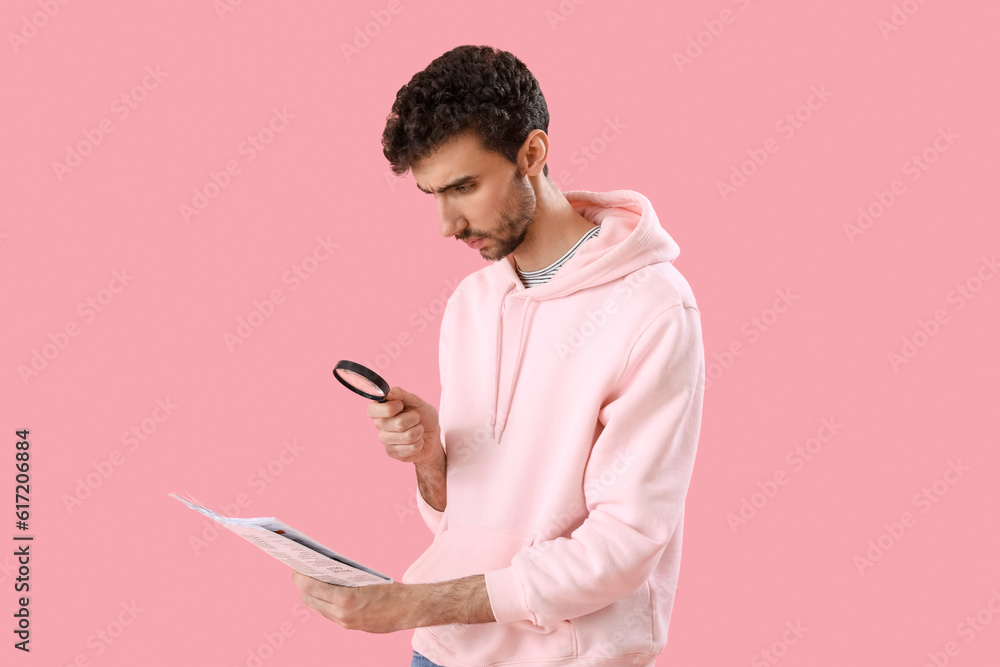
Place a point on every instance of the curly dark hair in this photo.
(478, 88)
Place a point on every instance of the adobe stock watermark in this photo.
(923, 500)
(393, 181)
(365, 34)
(105, 636)
(31, 25)
(597, 486)
(914, 167)
(563, 11)
(898, 17)
(223, 7)
(786, 126)
(797, 457)
(419, 321)
(779, 647)
(634, 617)
(259, 481)
(595, 319)
(248, 149)
(272, 642)
(713, 29)
(753, 329)
(460, 451)
(88, 309)
(264, 309)
(8, 568)
(587, 154)
(404, 512)
(968, 629)
(121, 107)
(132, 439)
(959, 296)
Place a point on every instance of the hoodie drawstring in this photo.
(523, 328)
(496, 364)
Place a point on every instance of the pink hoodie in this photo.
(570, 414)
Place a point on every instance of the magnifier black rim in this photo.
(367, 374)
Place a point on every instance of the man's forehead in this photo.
(453, 161)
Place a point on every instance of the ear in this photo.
(533, 154)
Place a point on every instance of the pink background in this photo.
(827, 356)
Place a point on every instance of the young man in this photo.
(572, 372)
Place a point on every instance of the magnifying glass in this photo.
(361, 380)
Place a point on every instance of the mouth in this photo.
(475, 242)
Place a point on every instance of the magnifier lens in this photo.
(359, 382)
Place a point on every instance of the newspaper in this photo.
(295, 549)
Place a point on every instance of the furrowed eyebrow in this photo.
(461, 180)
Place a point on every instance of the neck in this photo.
(554, 230)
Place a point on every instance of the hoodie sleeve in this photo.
(635, 484)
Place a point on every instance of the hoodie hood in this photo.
(631, 238)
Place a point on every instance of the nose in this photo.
(451, 219)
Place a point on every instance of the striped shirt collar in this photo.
(532, 278)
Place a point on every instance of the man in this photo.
(572, 373)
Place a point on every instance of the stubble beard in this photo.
(515, 218)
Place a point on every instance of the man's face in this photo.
(479, 195)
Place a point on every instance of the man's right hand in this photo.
(408, 428)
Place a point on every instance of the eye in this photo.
(464, 189)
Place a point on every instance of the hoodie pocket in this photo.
(461, 551)
(623, 629)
